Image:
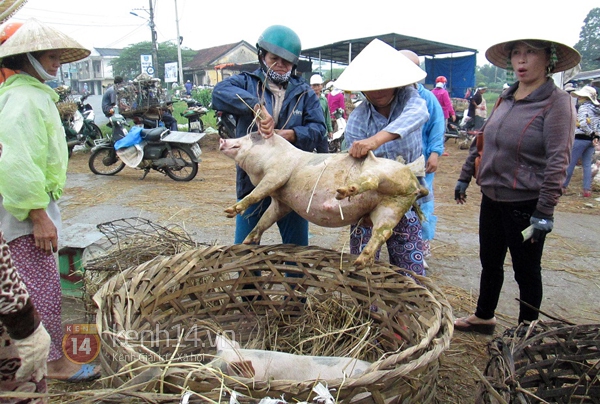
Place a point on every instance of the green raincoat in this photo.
(33, 165)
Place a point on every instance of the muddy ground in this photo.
(570, 261)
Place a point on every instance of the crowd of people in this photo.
(523, 162)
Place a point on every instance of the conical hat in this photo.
(377, 67)
(9, 7)
(33, 36)
(568, 57)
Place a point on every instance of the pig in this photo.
(263, 365)
(329, 190)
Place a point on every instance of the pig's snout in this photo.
(222, 144)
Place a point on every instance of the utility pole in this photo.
(154, 45)
(179, 40)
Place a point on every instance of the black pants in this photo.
(500, 226)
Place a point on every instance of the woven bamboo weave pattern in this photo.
(544, 362)
(232, 289)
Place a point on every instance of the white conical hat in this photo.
(377, 67)
(9, 7)
(34, 36)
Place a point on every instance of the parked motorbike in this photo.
(335, 142)
(80, 128)
(175, 154)
(225, 124)
(194, 113)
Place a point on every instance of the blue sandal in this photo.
(84, 374)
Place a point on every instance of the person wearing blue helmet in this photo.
(294, 108)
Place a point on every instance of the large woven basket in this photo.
(545, 362)
(220, 285)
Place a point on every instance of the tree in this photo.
(128, 64)
(589, 41)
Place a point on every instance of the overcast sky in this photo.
(203, 24)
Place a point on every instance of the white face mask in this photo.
(38, 68)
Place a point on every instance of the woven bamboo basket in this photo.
(544, 362)
(220, 285)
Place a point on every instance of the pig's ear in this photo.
(255, 136)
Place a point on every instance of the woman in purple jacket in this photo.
(527, 146)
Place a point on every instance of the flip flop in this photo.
(487, 329)
(84, 374)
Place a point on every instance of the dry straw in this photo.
(157, 322)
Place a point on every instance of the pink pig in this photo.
(330, 190)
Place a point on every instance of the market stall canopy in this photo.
(344, 51)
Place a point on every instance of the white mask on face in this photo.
(39, 69)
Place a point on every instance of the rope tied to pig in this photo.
(315, 187)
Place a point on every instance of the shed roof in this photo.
(338, 52)
(109, 51)
(208, 56)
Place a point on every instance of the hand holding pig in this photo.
(361, 148)
(266, 124)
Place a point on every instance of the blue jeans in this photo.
(583, 149)
(430, 222)
(292, 227)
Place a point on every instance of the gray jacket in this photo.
(527, 148)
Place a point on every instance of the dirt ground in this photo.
(570, 259)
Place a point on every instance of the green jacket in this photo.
(325, 107)
(33, 165)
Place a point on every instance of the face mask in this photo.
(39, 69)
(275, 77)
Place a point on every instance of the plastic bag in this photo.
(131, 139)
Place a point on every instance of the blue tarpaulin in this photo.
(460, 72)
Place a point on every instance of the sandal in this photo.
(84, 374)
(463, 324)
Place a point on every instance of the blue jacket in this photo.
(434, 129)
(300, 111)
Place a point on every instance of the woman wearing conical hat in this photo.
(527, 145)
(33, 171)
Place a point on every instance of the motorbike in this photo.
(226, 125)
(335, 142)
(194, 113)
(458, 131)
(173, 153)
(80, 129)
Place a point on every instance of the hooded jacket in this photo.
(527, 148)
(35, 149)
(301, 111)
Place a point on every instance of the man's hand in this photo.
(266, 123)
(460, 192)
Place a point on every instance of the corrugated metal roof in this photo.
(339, 52)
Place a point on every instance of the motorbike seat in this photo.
(154, 134)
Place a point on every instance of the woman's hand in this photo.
(44, 231)
(361, 148)
(266, 123)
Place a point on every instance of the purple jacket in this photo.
(444, 98)
(527, 148)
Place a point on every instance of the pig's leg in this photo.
(274, 213)
(365, 183)
(385, 217)
(268, 185)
